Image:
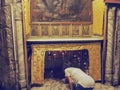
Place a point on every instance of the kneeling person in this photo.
(78, 79)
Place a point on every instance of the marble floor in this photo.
(51, 84)
(99, 86)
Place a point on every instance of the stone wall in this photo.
(7, 70)
(11, 23)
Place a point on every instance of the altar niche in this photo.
(57, 61)
(50, 60)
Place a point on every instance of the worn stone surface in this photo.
(7, 2)
(12, 14)
(58, 85)
(18, 11)
(7, 74)
(7, 10)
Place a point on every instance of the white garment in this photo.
(79, 77)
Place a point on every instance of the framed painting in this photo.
(61, 10)
(61, 18)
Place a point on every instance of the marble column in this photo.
(110, 32)
(20, 44)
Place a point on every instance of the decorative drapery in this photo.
(116, 59)
(112, 68)
(108, 68)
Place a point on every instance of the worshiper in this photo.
(78, 79)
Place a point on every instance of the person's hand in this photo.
(71, 81)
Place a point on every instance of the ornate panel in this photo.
(38, 54)
(49, 30)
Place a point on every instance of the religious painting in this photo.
(65, 30)
(55, 30)
(61, 10)
(60, 17)
(35, 30)
(86, 30)
(44, 30)
(75, 30)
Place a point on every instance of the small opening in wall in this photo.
(57, 61)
